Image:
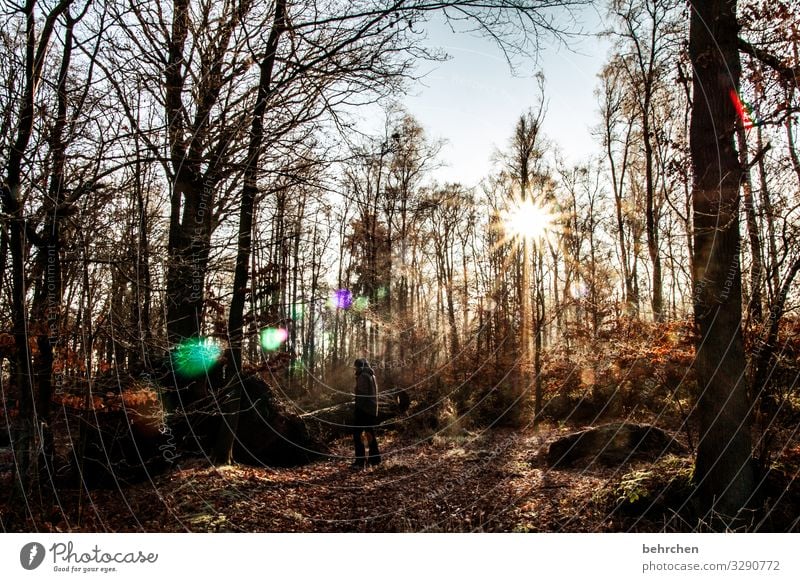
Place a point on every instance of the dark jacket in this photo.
(366, 391)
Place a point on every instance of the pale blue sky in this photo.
(473, 100)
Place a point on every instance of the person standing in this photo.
(366, 414)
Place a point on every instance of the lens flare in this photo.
(361, 303)
(298, 310)
(196, 356)
(342, 299)
(297, 366)
(744, 110)
(579, 290)
(272, 338)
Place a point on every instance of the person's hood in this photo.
(362, 366)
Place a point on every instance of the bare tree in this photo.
(648, 32)
(20, 232)
(617, 137)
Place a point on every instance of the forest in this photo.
(200, 234)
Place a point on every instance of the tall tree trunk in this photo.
(451, 312)
(187, 245)
(723, 469)
(773, 275)
(539, 315)
(140, 314)
(618, 186)
(754, 307)
(48, 311)
(651, 218)
(223, 449)
(192, 198)
(766, 350)
(13, 207)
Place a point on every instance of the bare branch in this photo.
(787, 73)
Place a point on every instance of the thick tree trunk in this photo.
(23, 436)
(10, 196)
(49, 308)
(195, 170)
(188, 262)
(723, 468)
(191, 199)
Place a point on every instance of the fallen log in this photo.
(338, 418)
(269, 432)
(612, 444)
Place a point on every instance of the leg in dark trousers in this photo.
(365, 423)
(359, 446)
(374, 455)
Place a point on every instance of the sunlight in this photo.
(526, 219)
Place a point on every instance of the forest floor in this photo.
(491, 481)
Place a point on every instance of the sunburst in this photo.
(525, 219)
